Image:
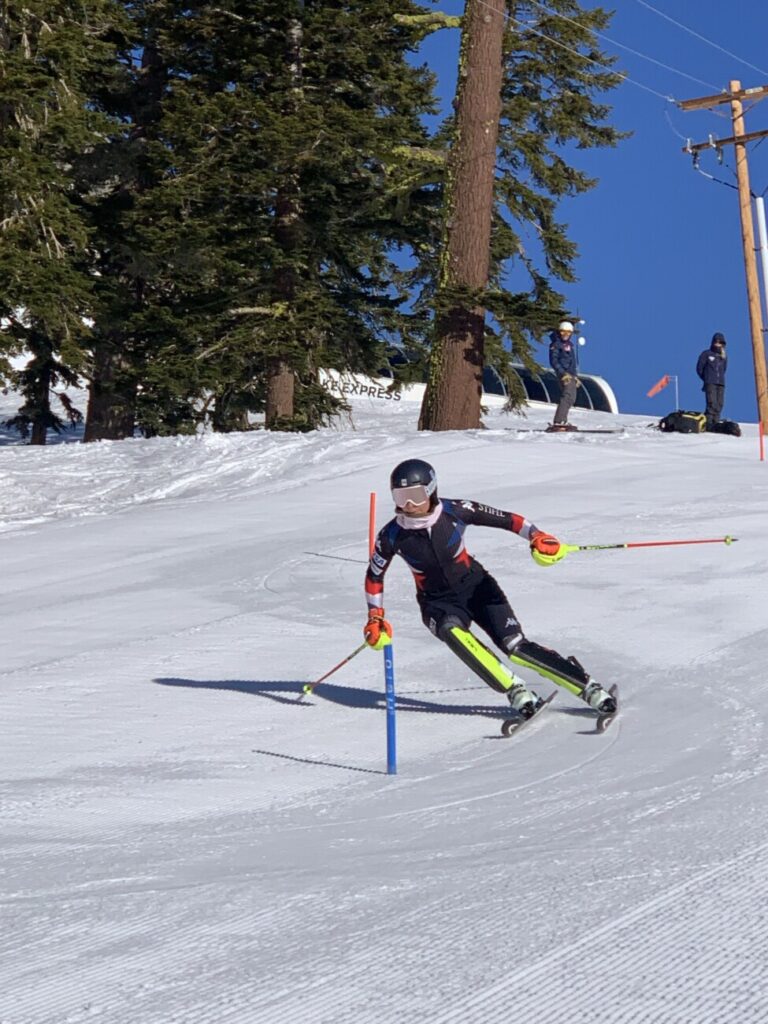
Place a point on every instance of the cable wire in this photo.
(625, 77)
(706, 174)
(697, 35)
(685, 138)
(629, 49)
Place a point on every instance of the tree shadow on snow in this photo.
(289, 692)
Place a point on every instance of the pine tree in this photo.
(129, 247)
(55, 58)
(248, 241)
(339, 100)
(552, 68)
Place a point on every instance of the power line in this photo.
(672, 127)
(556, 42)
(696, 165)
(629, 49)
(625, 77)
(697, 35)
(706, 174)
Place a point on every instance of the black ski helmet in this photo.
(413, 472)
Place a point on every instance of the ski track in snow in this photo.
(184, 843)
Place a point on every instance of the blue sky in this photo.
(661, 267)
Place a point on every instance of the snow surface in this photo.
(184, 842)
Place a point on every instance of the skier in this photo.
(453, 589)
(562, 359)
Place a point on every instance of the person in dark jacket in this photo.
(711, 367)
(454, 590)
(562, 359)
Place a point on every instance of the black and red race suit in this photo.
(451, 586)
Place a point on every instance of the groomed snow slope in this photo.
(184, 842)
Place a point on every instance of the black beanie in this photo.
(718, 337)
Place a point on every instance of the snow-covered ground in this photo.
(184, 842)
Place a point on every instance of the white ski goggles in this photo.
(416, 495)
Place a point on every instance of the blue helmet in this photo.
(413, 481)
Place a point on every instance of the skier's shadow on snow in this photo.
(288, 692)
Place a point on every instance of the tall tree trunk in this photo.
(454, 387)
(42, 404)
(111, 409)
(281, 381)
(280, 395)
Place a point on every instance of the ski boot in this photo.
(525, 703)
(598, 698)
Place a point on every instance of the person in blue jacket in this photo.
(711, 367)
(562, 359)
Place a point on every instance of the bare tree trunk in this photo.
(280, 395)
(454, 387)
(42, 404)
(281, 381)
(111, 409)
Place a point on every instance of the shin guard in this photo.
(565, 672)
(479, 658)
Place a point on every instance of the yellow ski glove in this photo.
(546, 549)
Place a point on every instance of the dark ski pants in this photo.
(715, 396)
(487, 606)
(485, 603)
(567, 398)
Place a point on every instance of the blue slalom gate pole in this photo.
(389, 660)
(389, 682)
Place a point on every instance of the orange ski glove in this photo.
(377, 631)
(546, 549)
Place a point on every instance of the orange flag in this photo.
(658, 386)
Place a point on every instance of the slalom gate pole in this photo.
(389, 661)
(310, 686)
(389, 682)
(649, 544)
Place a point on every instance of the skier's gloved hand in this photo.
(377, 631)
(566, 378)
(546, 549)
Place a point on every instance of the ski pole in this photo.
(309, 687)
(648, 544)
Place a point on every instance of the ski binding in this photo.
(603, 721)
(511, 726)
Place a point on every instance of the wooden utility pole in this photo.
(739, 141)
